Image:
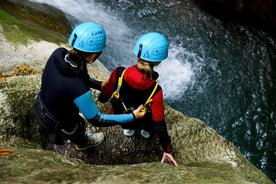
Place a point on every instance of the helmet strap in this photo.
(74, 39)
(140, 50)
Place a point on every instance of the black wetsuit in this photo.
(65, 93)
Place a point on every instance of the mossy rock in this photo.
(23, 20)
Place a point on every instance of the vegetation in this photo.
(18, 32)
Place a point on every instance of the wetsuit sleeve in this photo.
(158, 116)
(109, 87)
(157, 106)
(89, 109)
(95, 84)
(164, 138)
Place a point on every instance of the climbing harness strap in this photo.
(43, 112)
(116, 93)
(153, 91)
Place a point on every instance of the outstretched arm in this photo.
(89, 109)
(165, 142)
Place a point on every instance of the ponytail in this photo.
(78, 58)
(147, 68)
(148, 71)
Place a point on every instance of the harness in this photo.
(116, 93)
(53, 122)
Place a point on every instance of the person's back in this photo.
(136, 88)
(60, 85)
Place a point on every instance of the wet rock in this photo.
(204, 156)
(49, 167)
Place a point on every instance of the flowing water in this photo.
(221, 73)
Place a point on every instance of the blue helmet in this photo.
(152, 47)
(88, 37)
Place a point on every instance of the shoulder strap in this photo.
(116, 93)
(152, 93)
(120, 81)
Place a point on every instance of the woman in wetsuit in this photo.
(139, 86)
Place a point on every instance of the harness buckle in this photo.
(116, 94)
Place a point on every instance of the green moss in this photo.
(18, 32)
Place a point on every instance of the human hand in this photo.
(95, 84)
(139, 112)
(167, 157)
(104, 83)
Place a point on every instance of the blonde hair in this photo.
(147, 67)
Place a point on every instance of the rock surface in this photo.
(204, 156)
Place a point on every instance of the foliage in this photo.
(19, 32)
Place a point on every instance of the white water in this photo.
(175, 74)
(81, 11)
(178, 74)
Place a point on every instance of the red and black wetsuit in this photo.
(135, 90)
